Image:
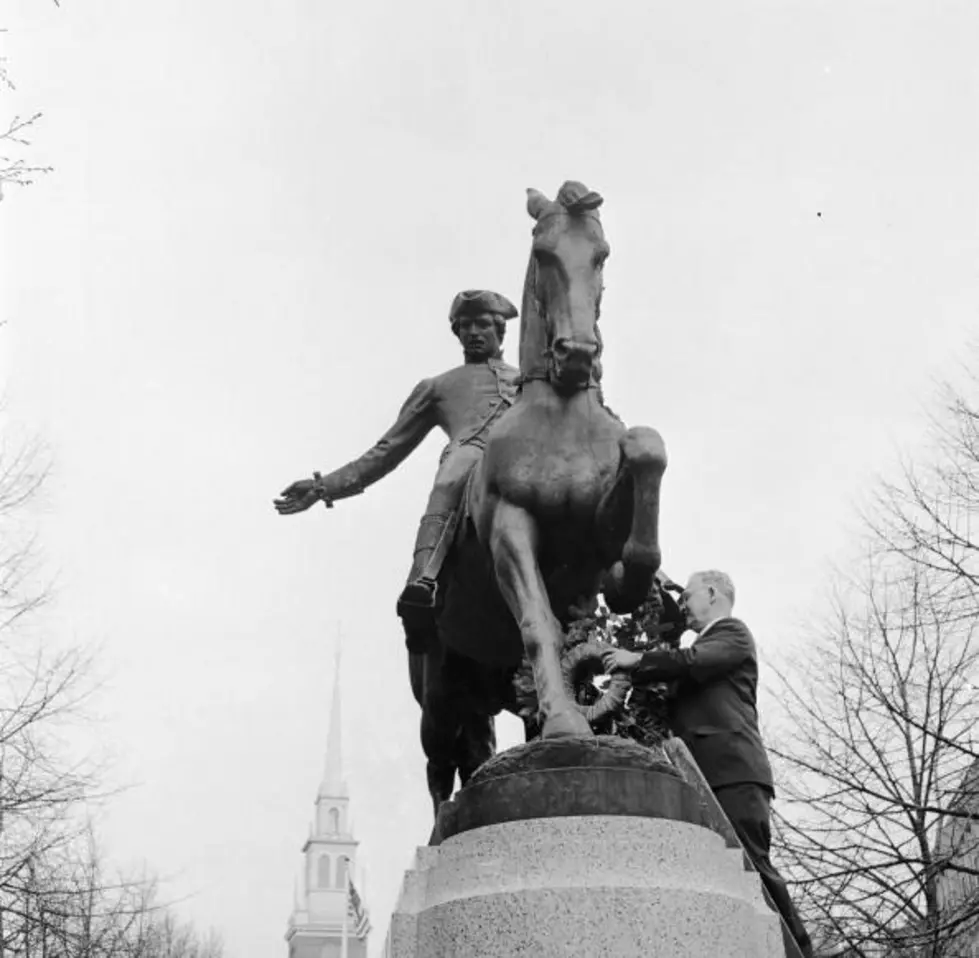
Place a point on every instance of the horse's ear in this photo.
(537, 202)
(590, 201)
(576, 198)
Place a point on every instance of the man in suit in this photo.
(715, 713)
(463, 402)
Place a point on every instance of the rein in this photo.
(539, 374)
(543, 376)
(580, 215)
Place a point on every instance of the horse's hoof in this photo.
(626, 587)
(568, 724)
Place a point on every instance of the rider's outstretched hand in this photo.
(297, 498)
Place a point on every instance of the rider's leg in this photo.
(417, 600)
(450, 483)
(420, 589)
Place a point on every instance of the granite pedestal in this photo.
(591, 847)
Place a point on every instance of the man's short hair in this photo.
(721, 581)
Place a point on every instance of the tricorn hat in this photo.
(471, 301)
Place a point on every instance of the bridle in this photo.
(544, 374)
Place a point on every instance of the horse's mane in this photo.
(530, 324)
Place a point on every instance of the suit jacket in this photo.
(715, 709)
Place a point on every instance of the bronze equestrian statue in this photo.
(562, 503)
(565, 501)
(463, 402)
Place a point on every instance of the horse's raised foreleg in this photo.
(513, 544)
(635, 494)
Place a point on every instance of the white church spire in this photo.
(329, 909)
(333, 784)
(298, 902)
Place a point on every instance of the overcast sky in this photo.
(244, 261)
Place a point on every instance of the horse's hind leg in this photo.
(641, 474)
(440, 778)
(439, 722)
(513, 543)
(476, 744)
(438, 744)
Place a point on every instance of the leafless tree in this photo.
(14, 169)
(40, 788)
(70, 906)
(879, 738)
(57, 897)
(930, 515)
(23, 469)
(167, 937)
(41, 686)
(43, 787)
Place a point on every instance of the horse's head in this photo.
(563, 292)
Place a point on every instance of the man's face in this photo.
(697, 603)
(478, 336)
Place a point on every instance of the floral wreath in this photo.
(611, 704)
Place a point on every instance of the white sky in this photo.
(244, 261)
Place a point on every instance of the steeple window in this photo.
(323, 871)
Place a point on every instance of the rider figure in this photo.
(463, 402)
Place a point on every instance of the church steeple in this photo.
(327, 908)
(333, 783)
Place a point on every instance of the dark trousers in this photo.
(748, 808)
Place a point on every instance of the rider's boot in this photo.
(416, 604)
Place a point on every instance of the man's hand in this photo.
(620, 660)
(298, 497)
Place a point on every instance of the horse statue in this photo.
(563, 505)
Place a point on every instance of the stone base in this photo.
(592, 885)
(592, 847)
(601, 775)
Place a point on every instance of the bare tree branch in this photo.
(57, 896)
(879, 802)
(15, 169)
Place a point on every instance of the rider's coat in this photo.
(463, 402)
